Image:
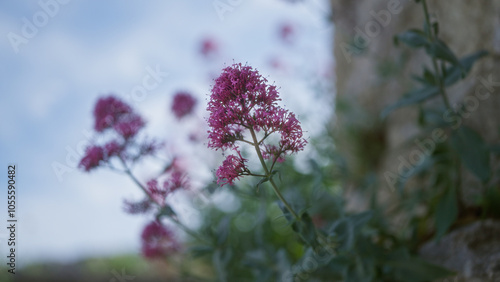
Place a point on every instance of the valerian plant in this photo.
(306, 234)
(119, 125)
(442, 167)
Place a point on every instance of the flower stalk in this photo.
(170, 216)
(437, 70)
(270, 177)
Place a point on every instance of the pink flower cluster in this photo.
(209, 47)
(112, 114)
(175, 181)
(183, 104)
(174, 178)
(95, 155)
(242, 100)
(233, 167)
(272, 152)
(158, 241)
(287, 33)
(116, 122)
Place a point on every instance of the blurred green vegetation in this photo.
(118, 268)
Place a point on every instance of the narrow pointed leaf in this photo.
(473, 151)
(446, 212)
(453, 74)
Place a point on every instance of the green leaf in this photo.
(263, 180)
(220, 259)
(473, 151)
(289, 217)
(361, 219)
(440, 50)
(490, 202)
(166, 211)
(303, 266)
(435, 27)
(427, 79)
(306, 229)
(432, 117)
(495, 149)
(343, 231)
(414, 38)
(453, 74)
(446, 212)
(198, 251)
(223, 230)
(412, 97)
(274, 172)
(417, 270)
(420, 167)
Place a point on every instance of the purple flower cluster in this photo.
(272, 152)
(112, 114)
(183, 104)
(117, 127)
(158, 241)
(140, 207)
(287, 33)
(172, 180)
(209, 47)
(241, 101)
(232, 168)
(158, 189)
(93, 156)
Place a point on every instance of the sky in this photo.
(58, 56)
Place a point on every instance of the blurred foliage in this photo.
(95, 269)
(261, 241)
(462, 153)
(257, 242)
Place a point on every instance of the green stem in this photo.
(187, 230)
(268, 174)
(437, 71)
(278, 193)
(259, 153)
(174, 219)
(458, 185)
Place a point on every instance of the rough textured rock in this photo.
(473, 250)
(378, 74)
(373, 74)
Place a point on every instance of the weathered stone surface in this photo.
(377, 74)
(473, 251)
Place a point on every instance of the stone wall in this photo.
(372, 73)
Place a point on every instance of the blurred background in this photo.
(58, 57)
